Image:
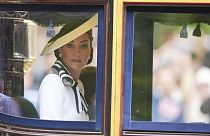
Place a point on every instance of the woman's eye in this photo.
(69, 45)
(84, 45)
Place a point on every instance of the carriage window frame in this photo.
(128, 123)
(95, 126)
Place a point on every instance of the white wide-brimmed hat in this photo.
(70, 32)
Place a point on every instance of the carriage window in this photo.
(47, 60)
(170, 69)
(178, 62)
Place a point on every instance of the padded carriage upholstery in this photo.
(27, 108)
(17, 106)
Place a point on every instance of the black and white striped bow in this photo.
(61, 70)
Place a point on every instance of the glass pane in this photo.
(23, 37)
(171, 67)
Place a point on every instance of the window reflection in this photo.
(179, 67)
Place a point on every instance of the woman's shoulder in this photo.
(52, 80)
(52, 83)
(52, 77)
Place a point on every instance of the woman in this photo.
(61, 93)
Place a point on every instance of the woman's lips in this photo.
(76, 60)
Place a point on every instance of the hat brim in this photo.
(88, 25)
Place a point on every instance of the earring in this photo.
(60, 55)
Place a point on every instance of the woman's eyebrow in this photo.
(83, 41)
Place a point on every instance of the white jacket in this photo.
(56, 101)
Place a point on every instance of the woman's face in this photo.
(76, 53)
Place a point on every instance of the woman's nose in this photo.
(77, 51)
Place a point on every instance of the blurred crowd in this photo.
(181, 80)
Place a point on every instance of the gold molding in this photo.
(116, 68)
